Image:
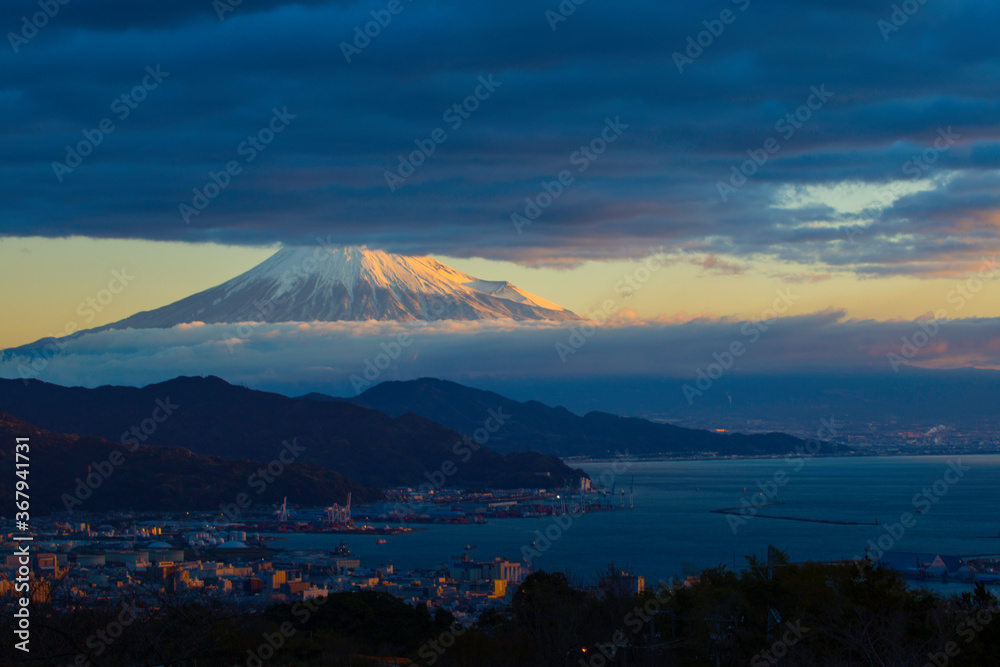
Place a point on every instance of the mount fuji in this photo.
(322, 284)
(326, 284)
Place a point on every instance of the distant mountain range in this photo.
(214, 418)
(533, 426)
(85, 473)
(915, 398)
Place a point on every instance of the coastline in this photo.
(572, 460)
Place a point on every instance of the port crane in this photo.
(338, 515)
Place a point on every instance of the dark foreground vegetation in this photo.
(813, 614)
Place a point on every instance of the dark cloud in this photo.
(656, 183)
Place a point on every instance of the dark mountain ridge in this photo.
(87, 473)
(555, 430)
(214, 418)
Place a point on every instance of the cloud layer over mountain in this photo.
(343, 357)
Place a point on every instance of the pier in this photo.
(739, 511)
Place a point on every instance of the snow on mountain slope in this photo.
(504, 290)
(498, 288)
(311, 284)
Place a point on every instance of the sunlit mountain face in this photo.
(322, 284)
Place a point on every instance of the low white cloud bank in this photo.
(344, 358)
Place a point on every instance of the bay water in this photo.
(671, 531)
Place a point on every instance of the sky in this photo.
(845, 150)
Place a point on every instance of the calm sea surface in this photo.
(671, 531)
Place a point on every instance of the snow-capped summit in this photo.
(309, 284)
